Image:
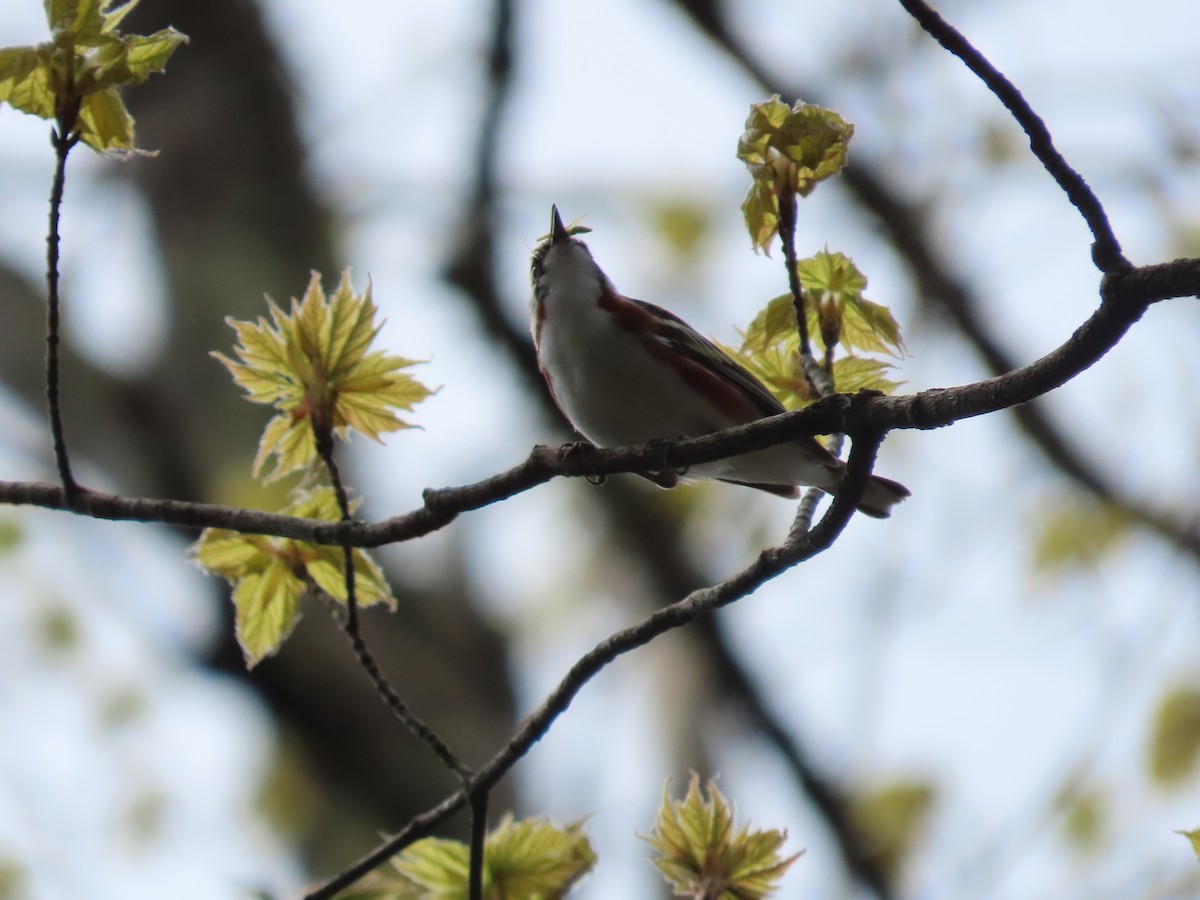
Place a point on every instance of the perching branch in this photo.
(1125, 297)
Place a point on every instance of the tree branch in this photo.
(1126, 295)
(769, 564)
(1106, 249)
(903, 226)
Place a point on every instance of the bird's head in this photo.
(560, 256)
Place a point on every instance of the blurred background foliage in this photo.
(992, 695)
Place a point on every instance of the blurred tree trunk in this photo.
(236, 217)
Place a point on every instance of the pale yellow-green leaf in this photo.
(290, 440)
(25, 81)
(75, 16)
(870, 327)
(1085, 814)
(11, 535)
(1175, 740)
(74, 76)
(779, 368)
(1193, 837)
(314, 364)
(1076, 533)
(760, 209)
(269, 573)
(788, 149)
(113, 16)
(536, 859)
(770, 345)
(696, 849)
(774, 324)
(890, 821)
(683, 225)
(834, 284)
(267, 607)
(831, 273)
(861, 373)
(229, 554)
(370, 585)
(523, 860)
(15, 879)
(437, 866)
(104, 122)
(144, 55)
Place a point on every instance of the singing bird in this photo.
(625, 372)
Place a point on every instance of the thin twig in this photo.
(63, 140)
(1106, 249)
(819, 378)
(479, 817)
(416, 726)
(325, 450)
(787, 236)
(769, 564)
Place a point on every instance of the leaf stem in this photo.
(787, 236)
(63, 141)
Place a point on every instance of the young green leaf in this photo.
(1086, 811)
(269, 574)
(837, 315)
(1175, 741)
(314, 364)
(523, 860)
(859, 373)
(788, 149)
(835, 286)
(1075, 534)
(890, 821)
(1193, 837)
(74, 77)
(700, 855)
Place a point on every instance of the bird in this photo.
(625, 372)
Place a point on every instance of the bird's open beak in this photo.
(558, 231)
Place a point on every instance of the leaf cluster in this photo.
(74, 77)
(531, 859)
(837, 315)
(789, 150)
(701, 855)
(314, 365)
(269, 574)
(889, 821)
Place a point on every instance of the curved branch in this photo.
(1106, 249)
(1126, 296)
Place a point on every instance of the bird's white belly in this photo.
(614, 391)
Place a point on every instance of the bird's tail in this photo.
(880, 496)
